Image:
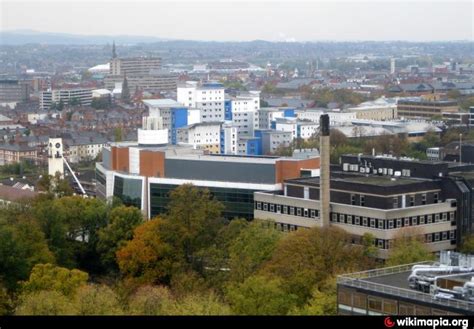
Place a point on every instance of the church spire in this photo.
(114, 53)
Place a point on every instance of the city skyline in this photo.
(246, 21)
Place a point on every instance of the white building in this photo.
(134, 66)
(205, 135)
(208, 97)
(380, 109)
(245, 110)
(82, 95)
(298, 129)
(335, 118)
(229, 139)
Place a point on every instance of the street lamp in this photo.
(460, 148)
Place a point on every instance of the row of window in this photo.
(428, 238)
(384, 224)
(287, 210)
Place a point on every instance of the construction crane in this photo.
(75, 177)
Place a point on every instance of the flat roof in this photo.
(166, 102)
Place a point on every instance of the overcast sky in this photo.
(413, 20)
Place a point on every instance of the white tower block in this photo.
(55, 157)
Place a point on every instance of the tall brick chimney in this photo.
(325, 175)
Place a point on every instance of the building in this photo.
(173, 115)
(272, 140)
(471, 116)
(380, 110)
(208, 97)
(134, 66)
(336, 118)
(83, 148)
(9, 194)
(229, 139)
(83, 96)
(426, 107)
(383, 196)
(158, 81)
(267, 115)
(14, 153)
(204, 135)
(144, 176)
(297, 128)
(435, 153)
(13, 91)
(425, 289)
(244, 112)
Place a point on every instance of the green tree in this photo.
(122, 221)
(45, 303)
(118, 134)
(191, 224)
(96, 300)
(125, 91)
(253, 246)
(408, 248)
(467, 245)
(54, 278)
(259, 295)
(22, 246)
(150, 300)
(195, 304)
(369, 248)
(308, 257)
(5, 301)
(323, 301)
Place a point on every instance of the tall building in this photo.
(13, 91)
(82, 95)
(243, 111)
(134, 66)
(392, 66)
(382, 196)
(143, 176)
(204, 135)
(208, 97)
(55, 157)
(156, 82)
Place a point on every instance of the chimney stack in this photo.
(325, 175)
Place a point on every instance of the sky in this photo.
(240, 20)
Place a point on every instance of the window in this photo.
(423, 199)
(430, 219)
(451, 216)
(436, 218)
(357, 220)
(429, 238)
(380, 243)
(444, 236)
(362, 200)
(414, 221)
(292, 210)
(313, 213)
(380, 224)
(364, 221)
(285, 209)
(445, 216)
(399, 222)
(259, 205)
(298, 211)
(436, 198)
(395, 202)
(372, 223)
(390, 224)
(305, 213)
(436, 236)
(334, 217)
(422, 220)
(265, 206)
(272, 207)
(353, 199)
(349, 219)
(279, 208)
(407, 221)
(412, 200)
(451, 235)
(342, 218)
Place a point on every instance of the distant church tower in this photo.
(55, 157)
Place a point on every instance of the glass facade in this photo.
(237, 202)
(129, 190)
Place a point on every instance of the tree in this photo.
(54, 278)
(60, 105)
(323, 301)
(146, 258)
(45, 303)
(195, 304)
(259, 295)
(369, 248)
(55, 185)
(118, 134)
(253, 246)
(150, 300)
(408, 247)
(74, 102)
(22, 246)
(467, 245)
(96, 300)
(308, 257)
(5, 301)
(122, 221)
(191, 224)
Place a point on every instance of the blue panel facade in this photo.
(254, 146)
(273, 125)
(179, 118)
(298, 131)
(289, 113)
(222, 141)
(227, 109)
